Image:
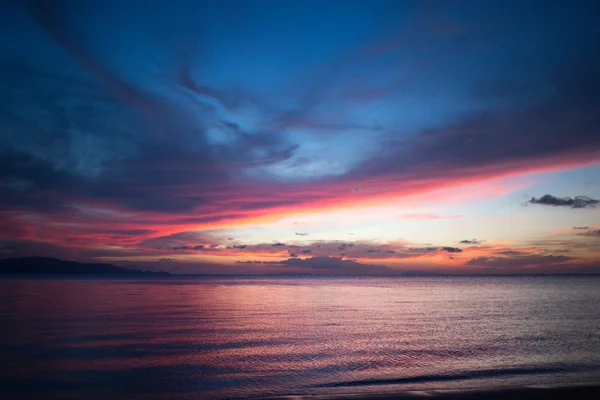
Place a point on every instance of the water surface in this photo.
(240, 337)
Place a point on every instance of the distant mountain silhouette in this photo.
(47, 265)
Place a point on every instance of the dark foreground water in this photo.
(169, 338)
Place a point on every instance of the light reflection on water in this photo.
(247, 337)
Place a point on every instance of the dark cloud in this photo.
(238, 246)
(422, 249)
(580, 227)
(472, 241)
(71, 130)
(452, 249)
(306, 251)
(301, 234)
(571, 202)
(278, 244)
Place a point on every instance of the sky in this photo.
(321, 137)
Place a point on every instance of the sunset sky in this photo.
(327, 137)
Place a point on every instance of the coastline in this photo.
(553, 392)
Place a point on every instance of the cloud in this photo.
(423, 249)
(574, 245)
(580, 227)
(518, 261)
(472, 241)
(335, 265)
(571, 202)
(470, 147)
(301, 234)
(511, 253)
(452, 249)
(591, 233)
(278, 244)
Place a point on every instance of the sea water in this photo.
(244, 337)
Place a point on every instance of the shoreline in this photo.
(575, 391)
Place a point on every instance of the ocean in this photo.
(247, 337)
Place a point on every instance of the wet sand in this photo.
(525, 393)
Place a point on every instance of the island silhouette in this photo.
(54, 266)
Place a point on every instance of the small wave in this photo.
(452, 377)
